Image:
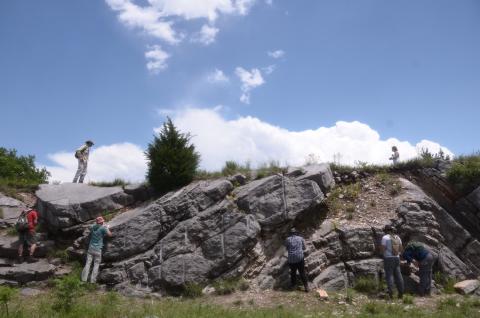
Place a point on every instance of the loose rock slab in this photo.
(10, 210)
(68, 204)
(467, 286)
(25, 272)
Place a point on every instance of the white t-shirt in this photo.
(387, 244)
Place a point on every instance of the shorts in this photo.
(27, 238)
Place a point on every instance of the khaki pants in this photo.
(96, 258)
(81, 171)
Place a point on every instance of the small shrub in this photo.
(352, 191)
(67, 291)
(6, 295)
(367, 285)
(408, 299)
(172, 159)
(446, 282)
(115, 183)
(395, 189)
(192, 290)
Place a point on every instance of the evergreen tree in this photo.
(173, 160)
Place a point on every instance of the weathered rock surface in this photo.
(467, 286)
(319, 173)
(9, 247)
(25, 272)
(276, 199)
(474, 198)
(67, 204)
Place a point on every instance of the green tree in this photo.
(6, 295)
(173, 160)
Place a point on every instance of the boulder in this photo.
(467, 286)
(238, 179)
(138, 230)
(334, 278)
(474, 198)
(319, 173)
(372, 267)
(140, 191)
(277, 200)
(357, 243)
(451, 265)
(10, 210)
(25, 272)
(67, 204)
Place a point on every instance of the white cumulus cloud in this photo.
(217, 76)
(250, 80)
(124, 160)
(276, 54)
(156, 59)
(251, 139)
(206, 35)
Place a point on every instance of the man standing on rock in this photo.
(295, 245)
(391, 247)
(416, 252)
(82, 155)
(26, 224)
(97, 233)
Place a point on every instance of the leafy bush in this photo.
(465, 173)
(446, 282)
(265, 170)
(192, 290)
(6, 295)
(173, 160)
(408, 299)
(19, 172)
(115, 183)
(67, 291)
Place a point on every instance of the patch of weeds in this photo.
(238, 302)
(446, 282)
(62, 254)
(447, 303)
(67, 291)
(352, 191)
(372, 308)
(395, 189)
(367, 285)
(349, 295)
(115, 183)
(408, 299)
(464, 173)
(230, 285)
(265, 170)
(6, 295)
(192, 290)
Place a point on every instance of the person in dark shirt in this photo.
(419, 254)
(295, 245)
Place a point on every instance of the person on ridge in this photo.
(26, 223)
(82, 155)
(395, 156)
(391, 248)
(295, 245)
(417, 252)
(94, 254)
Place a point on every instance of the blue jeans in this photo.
(425, 273)
(391, 265)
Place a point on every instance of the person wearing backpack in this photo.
(94, 254)
(391, 248)
(25, 225)
(417, 252)
(82, 155)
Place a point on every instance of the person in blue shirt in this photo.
(295, 245)
(417, 253)
(94, 254)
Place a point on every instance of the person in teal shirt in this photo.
(94, 254)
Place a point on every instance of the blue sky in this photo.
(73, 70)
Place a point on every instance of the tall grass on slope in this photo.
(465, 173)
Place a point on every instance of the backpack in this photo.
(22, 222)
(77, 154)
(396, 245)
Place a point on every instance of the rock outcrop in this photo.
(10, 210)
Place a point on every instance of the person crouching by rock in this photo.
(391, 247)
(97, 233)
(26, 223)
(417, 253)
(295, 245)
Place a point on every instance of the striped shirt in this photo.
(295, 245)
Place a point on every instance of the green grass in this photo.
(230, 285)
(115, 183)
(367, 285)
(192, 290)
(465, 173)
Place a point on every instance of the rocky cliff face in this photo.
(211, 229)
